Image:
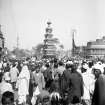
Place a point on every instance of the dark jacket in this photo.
(55, 86)
(99, 91)
(65, 80)
(48, 78)
(76, 87)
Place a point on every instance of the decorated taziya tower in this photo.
(49, 50)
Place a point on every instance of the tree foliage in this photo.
(38, 50)
(19, 53)
(61, 46)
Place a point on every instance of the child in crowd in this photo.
(7, 98)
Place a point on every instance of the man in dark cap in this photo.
(48, 76)
(76, 86)
(65, 80)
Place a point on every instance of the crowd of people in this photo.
(52, 82)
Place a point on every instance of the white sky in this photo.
(27, 18)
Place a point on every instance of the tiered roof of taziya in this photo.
(49, 42)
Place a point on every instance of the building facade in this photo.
(78, 51)
(96, 48)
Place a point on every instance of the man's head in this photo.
(60, 63)
(37, 69)
(7, 98)
(47, 65)
(14, 64)
(97, 73)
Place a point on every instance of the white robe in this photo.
(89, 82)
(23, 83)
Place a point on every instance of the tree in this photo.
(20, 53)
(61, 46)
(38, 50)
(60, 52)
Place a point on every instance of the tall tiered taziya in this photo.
(49, 43)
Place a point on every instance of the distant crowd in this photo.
(52, 81)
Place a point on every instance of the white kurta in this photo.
(23, 84)
(14, 74)
(4, 86)
(88, 84)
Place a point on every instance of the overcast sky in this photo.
(27, 19)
